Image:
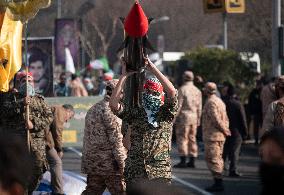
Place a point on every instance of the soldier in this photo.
(188, 119)
(275, 111)
(151, 127)
(13, 119)
(103, 151)
(215, 126)
(54, 142)
(267, 96)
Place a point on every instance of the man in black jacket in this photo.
(255, 109)
(238, 128)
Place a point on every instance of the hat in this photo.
(22, 75)
(19, 75)
(153, 84)
(108, 76)
(87, 80)
(136, 23)
(279, 81)
(188, 76)
(210, 87)
(111, 83)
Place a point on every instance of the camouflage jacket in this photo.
(274, 115)
(149, 154)
(12, 121)
(190, 104)
(267, 96)
(12, 114)
(103, 151)
(214, 119)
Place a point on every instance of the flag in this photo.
(10, 49)
(101, 63)
(24, 10)
(69, 63)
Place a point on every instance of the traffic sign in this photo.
(212, 6)
(235, 6)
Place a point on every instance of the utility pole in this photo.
(225, 30)
(59, 5)
(276, 22)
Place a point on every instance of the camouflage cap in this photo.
(111, 83)
(210, 87)
(188, 76)
(279, 81)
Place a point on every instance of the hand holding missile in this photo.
(124, 71)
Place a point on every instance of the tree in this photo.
(221, 65)
(100, 26)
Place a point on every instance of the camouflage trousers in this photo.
(35, 178)
(186, 139)
(39, 163)
(213, 157)
(96, 184)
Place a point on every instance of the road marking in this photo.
(183, 182)
(75, 151)
(190, 185)
(77, 176)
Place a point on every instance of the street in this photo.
(193, 181)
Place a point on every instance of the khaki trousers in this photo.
(213, 157)
(55, 164)
(186, 140)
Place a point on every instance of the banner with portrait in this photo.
(66, 36)
(40, 62)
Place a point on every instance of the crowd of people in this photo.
(127, 147)
(81, 86)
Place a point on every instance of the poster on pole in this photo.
(213, 6)
(235, 6)
(40, 63)
(66, 36)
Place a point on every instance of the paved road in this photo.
(193, 181)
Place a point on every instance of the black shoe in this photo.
(216, 187)
(234, 174)
(191, 163)
(182, 163)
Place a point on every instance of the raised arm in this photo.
(116, 93)
(167, 85)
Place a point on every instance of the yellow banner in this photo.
(10, 49)
(24, 10)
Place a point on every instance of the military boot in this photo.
(182, 163)
(191, 163)
(217, 186)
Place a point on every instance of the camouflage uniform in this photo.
(267, 96)
(214, 123)
(188, 119)
(149, 154)
(103, 151)
(12, 122)
(275, 111)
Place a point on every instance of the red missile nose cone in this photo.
(136, 23)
